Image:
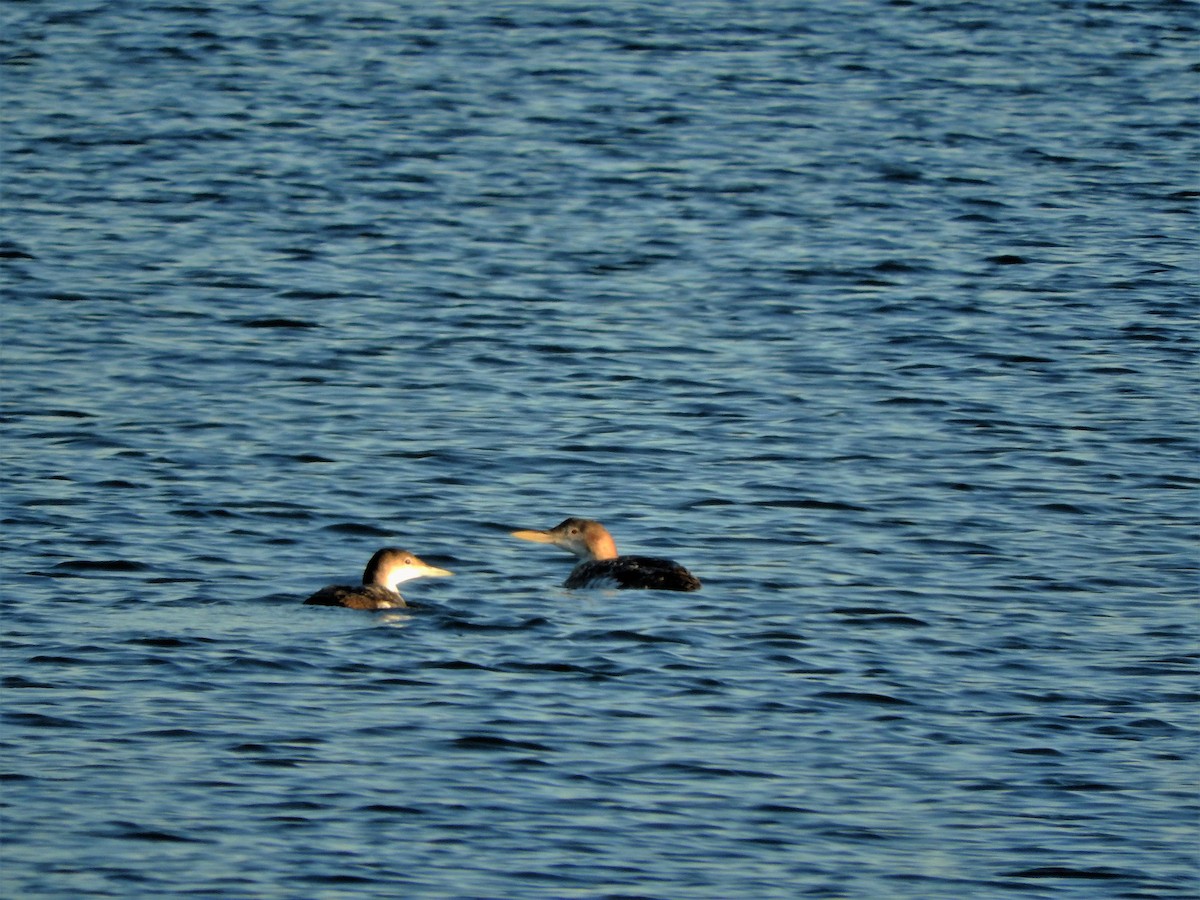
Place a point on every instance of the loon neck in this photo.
(378, 571)
(601, 546)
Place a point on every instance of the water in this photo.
(878, 316)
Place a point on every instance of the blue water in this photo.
(879, 316)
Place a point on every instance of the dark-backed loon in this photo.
(602, 567)
(388, 567)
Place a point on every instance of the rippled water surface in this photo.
(880, 316)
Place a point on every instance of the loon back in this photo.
(357, 596)
(625, 572)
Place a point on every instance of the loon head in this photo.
(392, 566)
(586, 538)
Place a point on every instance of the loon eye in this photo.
(574, 531)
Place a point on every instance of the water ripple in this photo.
(884, 331)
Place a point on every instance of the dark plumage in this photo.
(646, 572)
(357, 596)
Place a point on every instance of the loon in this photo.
(388, 567)
(602, 567)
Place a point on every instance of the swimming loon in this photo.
(388, 567)
(602, 567)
